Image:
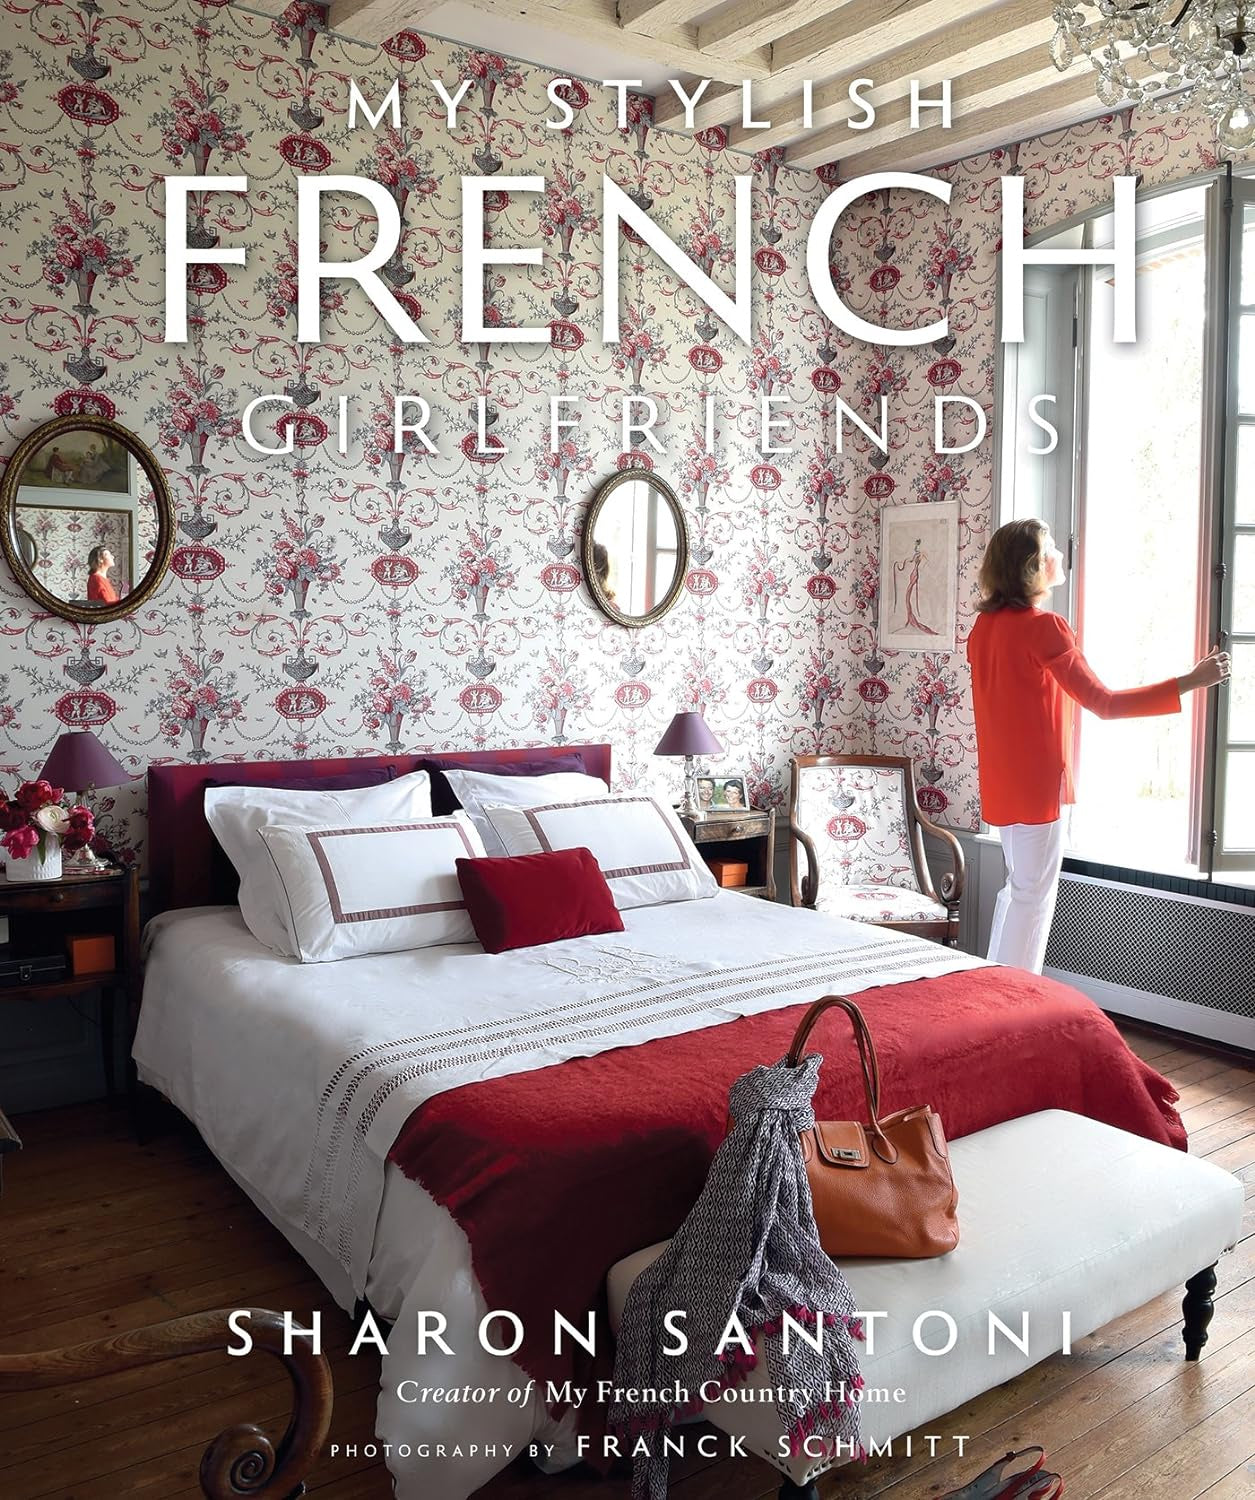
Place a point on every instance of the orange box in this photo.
(730, 872)
(91, 953)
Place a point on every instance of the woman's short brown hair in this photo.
(1011, 570)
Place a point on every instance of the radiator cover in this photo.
(1139, 946)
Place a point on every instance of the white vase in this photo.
(35, 866)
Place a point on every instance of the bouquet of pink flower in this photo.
(34, 814)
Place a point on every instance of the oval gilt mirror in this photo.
(635, 548)
(88, 522)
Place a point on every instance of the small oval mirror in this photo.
(88, 523)
(635, 548)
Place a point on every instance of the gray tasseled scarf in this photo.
(749, 1247)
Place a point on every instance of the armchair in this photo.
(857, 820)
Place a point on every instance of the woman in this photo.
(99, 589)
(601, 566)
(1026, 670)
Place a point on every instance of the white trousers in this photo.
(1033, 854)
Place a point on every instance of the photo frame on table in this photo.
(723, 794)
(919, 576)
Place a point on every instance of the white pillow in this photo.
(641, 846)
(238, 813)
(353, 890)
(479, 790)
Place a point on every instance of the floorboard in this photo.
(101, 1235)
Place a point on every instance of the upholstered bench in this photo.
(1058, 1214)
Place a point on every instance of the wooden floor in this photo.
(99, 1235)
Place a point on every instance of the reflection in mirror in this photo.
(88, 522)
(635, 547)
(27, 546)
(84, 552)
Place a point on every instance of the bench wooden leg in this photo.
(1197, 1308)
(791, 1491)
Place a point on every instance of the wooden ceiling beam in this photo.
(1017, 77)
(376, 20)
(653, 17)
(755, 23)
(867, 46)
(598, 21)
(1064, 104)
(974, 43)
(865, 30)
(722, 103)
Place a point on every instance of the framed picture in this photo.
(80, 460)
(919, 572)
(722, 794)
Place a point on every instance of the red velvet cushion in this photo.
(529, 899)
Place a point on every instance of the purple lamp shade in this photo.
(79, 760)
(688, 734)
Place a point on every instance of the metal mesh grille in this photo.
(1182, 949)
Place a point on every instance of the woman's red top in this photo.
(1026, 670)
(99, 587)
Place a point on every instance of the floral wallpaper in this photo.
(325, 603)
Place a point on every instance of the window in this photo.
(1151, 495)
(639, 532)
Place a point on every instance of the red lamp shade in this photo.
(79, 760)
(688, 734)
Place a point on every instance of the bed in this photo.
(447, 1132)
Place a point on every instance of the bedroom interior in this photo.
(442, 805)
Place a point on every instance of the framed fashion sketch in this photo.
(919, 564)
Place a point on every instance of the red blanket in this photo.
(556, 1174)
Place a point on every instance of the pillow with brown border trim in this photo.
(641, 846)
(381, 888)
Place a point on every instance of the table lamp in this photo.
(689, 735)
(80, 762)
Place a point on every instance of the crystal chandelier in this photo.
(1191, 51)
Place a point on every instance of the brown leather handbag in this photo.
(883, 1188)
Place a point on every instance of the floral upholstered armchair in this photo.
(857, 820)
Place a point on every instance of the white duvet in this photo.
(299, 1078)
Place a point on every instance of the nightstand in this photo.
(43, 914)
(748, 837)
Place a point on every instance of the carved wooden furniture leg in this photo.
(791, 1491)
(1197, 1308)
(240, 1461)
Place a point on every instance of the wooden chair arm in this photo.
(240, 1461)
(952, 883)
(805, 893)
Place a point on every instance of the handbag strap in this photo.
(863, 1039)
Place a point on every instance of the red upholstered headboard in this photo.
(180, 844)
